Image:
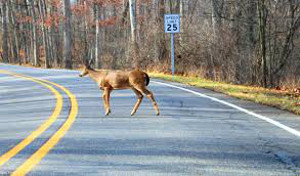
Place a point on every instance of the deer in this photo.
(109, 80)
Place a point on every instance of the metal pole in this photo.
(172, 56)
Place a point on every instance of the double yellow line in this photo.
(34, 159)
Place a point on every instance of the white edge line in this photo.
(276, 123)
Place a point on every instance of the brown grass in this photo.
(284, 99)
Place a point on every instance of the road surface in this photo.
(194, 135)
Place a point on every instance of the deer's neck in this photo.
(97, 76)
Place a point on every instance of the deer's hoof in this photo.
(157, 113)
(107, 112)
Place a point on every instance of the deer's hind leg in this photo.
(149, 94)
(138, 102)
(106, 97)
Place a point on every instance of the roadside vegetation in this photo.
(285, 99)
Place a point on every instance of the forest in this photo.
(250, 42)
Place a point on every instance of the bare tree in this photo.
(134, 44)
(262, 38)
(42, 12)
(97, 37)
(34, 34)
(4, 32)
(15, 39)
(67, 35)
(161, 50)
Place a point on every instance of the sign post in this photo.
(172, 26)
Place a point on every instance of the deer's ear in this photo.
(85, 63)
(90, 62)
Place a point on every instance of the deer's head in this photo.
(85, 71)
(86, 68)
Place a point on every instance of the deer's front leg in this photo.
(106, 96)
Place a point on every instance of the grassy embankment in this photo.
(286, 100)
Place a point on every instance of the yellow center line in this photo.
(20, 146)
(34, 159)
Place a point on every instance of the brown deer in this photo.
(108, 80)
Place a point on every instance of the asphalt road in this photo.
(193, 136)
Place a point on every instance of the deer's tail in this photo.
(147, 79)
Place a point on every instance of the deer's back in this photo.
(116, 80)
(123, 79)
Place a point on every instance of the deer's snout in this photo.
(80, 75)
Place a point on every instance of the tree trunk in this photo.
(44, 30)
(97, 42)
(216, 20)
(161, 49)
(4, 33)
(262, 40)
(182, 16)
(215, 16)
(134, 44)
(53, 41)
(67, 35)
(35, 35)
(87, 49)
(14, 39)
(27, 39)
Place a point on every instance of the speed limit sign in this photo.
(172, 26)
(172, 23)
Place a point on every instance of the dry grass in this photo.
(283, 99)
